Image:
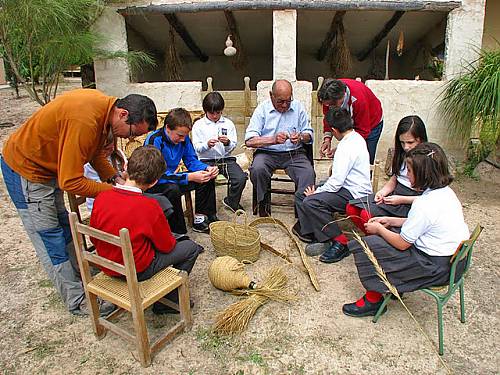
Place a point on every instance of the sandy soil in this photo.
(311, 336)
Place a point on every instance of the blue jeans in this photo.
(372, 140)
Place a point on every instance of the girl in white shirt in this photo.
(419, 255)
(214, 138)
(397, 195)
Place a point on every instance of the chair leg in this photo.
(380, 310)
(462, 303)
(94, 312)
(184, 303)
(141, 336)
(255, 204)
(189, 213)
(440, 327)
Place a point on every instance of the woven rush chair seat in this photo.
(116, 290)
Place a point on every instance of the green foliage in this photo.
(474, 98)
(41, 38)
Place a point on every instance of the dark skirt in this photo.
(382, 209)
(407, 270)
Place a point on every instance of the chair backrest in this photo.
(85, 258)
(464, 251)
(75, 201)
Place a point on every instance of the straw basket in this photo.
(237, 240)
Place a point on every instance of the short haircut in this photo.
(416, 127)
(430, 166)
(146, 165)
(213, 102)
(331, 89)
(178, 117)
(140, 108)
(340, 119)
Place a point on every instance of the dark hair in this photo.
(146, 165)
(430, 166)
(339, 118)
(140, 108)
(178, 117)
(416, 127)
(331, 89)
(213, 102)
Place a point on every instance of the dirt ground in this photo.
(310, 336)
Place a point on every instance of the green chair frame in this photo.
(443, 293)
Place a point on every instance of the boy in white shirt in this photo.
(350, 179)
(214, 138)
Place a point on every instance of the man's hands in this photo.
(326, 148)
(280, 138)
(201, 177)
(310, 190)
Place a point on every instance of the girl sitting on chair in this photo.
(397, 195)
(419, 255)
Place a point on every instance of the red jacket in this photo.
(142, 216)
(365, 108)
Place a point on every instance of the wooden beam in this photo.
(381, 35)
(325, 46)
(208, 6)
(240, 60)
(186, 37)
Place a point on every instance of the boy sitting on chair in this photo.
(350, 179)
(153, 245)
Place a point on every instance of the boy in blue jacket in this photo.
(175, 145)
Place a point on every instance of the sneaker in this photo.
(105, 308)
(366, 309)
(307, 238)
(161, 309)
(335, 253)
(226, 204)
(316, 248)
(201, 227)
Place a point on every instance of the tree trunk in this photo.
(88, 76)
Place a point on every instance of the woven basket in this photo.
(237, 240)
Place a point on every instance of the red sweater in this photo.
(142, 216)
(365, 108)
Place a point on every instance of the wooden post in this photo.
(209, 84)
(247, 94)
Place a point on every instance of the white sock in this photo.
(199, 218)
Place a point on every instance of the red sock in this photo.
(341, 238)
(354, 213)
(371, 296)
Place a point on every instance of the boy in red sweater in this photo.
(153, 245)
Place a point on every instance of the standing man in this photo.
(362, 104)
(278, 129)
(45, 157)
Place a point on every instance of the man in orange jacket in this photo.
(45, 157)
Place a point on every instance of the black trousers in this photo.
(204, 201)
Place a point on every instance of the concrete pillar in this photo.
(3, 79)
(284, 44)
(113, 75)
(464, 34)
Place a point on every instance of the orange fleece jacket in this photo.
(60, 138)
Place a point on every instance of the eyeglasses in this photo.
(283, 101)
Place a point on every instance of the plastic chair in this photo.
(443, 293)
(128, 294)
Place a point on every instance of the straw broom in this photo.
(394, 291)
(236, 317)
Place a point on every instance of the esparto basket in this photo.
(237, 240)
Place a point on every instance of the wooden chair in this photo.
(128, 294)
(442, 294)
(75, 201)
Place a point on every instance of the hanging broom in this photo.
(173, 64)
(340, 56)
(236, 317)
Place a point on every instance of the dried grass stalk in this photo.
(394, 291)
(173, 64)
(340, 55)
(236, 317)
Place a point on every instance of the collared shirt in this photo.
(435, 223)
(204, 129)
(351, 167)
(266, 121)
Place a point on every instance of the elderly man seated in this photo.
(278, 129)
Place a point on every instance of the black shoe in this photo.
(226, 204)
(335, 253)
(161, 309)
(263, 210)
(368, 309)
(212, 218)
(201, 227)
(307, 238)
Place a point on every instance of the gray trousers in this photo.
(295, 163)
(316, 212)
(45, 219)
